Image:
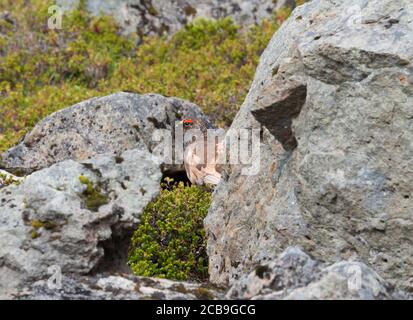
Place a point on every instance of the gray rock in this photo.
(116, 287)
(292, 269)
(343, 281)
(296, 276)
(333, 92)
(110, 124)
(56, 219)
(159, 17)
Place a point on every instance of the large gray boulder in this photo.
(334, 94)
(152, 17)
(110, 124)
(74, 216)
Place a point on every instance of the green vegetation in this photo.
(170, 240)
(7, 180)
(38, 224)
(93, 197)
(43, 70)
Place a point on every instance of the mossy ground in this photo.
(44, 70)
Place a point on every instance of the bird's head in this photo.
(194, 124)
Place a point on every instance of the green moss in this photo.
(170, 240)
(92, 196)
(37, 224)
(211, 63)
(84, 180)
(34, 234)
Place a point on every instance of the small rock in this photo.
(114, 287)
(296, 276)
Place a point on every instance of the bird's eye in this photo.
(187, 123)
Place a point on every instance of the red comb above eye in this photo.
(188, 121)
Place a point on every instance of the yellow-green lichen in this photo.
(7, 180)
(48, 225)
(92, 195)
(39, 224)
(34, 234)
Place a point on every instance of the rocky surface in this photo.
(334, 94)
(150, 17)
(296, 276)
(75, 216)
(116, 287)
(92, 169)
(110, 124)
(65, 228)
(328, 216)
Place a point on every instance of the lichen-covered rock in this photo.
(116, 287)
(334, 94)
(292, 269)
(296, 276)
(67, 216)
(151, 17)
(114, 123)
(7, 179)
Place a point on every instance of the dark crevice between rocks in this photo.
(277, 118)
(177, 176)
(16, 171)
(115, 259)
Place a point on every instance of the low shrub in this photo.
(170, 240)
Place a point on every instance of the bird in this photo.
(201, 168)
